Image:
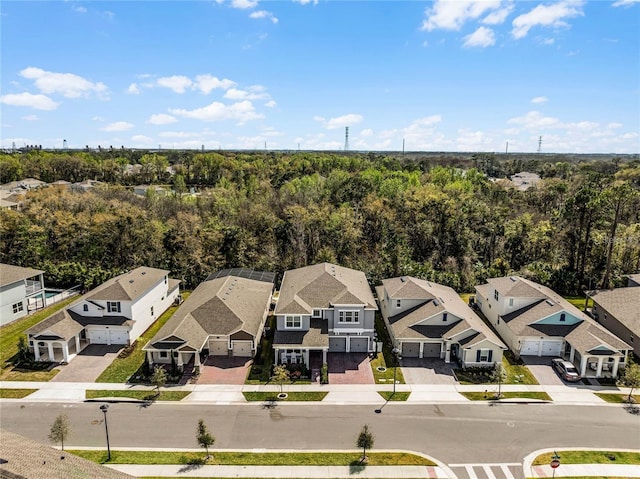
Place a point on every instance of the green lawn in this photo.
(397, 396)
(618, 398)
(590, 457)
(15, 393)
(577, 301)
(121, 369)
(9, 335)
(517, 373)
(141, 395)
(491, 395)
(260, 370)
(386, 376)
(263, 458)
(291, 396)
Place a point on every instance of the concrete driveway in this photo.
(88, 364)
(427, 371)
(224, 370)
(541, 368)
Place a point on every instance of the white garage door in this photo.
(218, 348)
(551, 348)
(98, 336)
(530, 348)
(359, 345)
(242, 348)
(118, 336)
(108, 336)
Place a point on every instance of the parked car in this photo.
(565, 369)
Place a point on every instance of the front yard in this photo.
(384, 365)
(517, 373)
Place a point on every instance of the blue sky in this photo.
(448, 75)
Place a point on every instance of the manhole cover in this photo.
(381, 369)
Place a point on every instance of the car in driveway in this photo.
(565, 369)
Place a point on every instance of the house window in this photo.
(496, 295)
(317, 313)
(113, 306)
(151, 310)
(348, 316)
(398, 303)
(85, 307)
(163, 354)
(510, 301)
(631, 339)
(444, 316)
(563, 317)
(293, 322)
(484, 355)
(18, 307)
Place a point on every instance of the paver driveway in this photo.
(88, 364)
(427, 371)
(349, 368)
(224, 370)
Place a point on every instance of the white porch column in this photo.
(572, 354)
(305, 356)
(36, 350)
(447, 354)
(196, 358)
(348, 348)
(77, 338)
(616, 363)
(583, 366)
(150, 358)
(324, 356)
(179, 361)
(599, 371)
(421, 350)
(65, 352)
(50, 349)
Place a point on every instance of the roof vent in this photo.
(403, 278)
(435, 302)
(130, 281)
(143, 273)
(429, 284)
(441, 300)
(513, 278)
(549, 302)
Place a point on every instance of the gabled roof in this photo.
(320, 286)
(517, 287)
(316, 337)
(220, 306)
(60, 324)
(622, 303)
(407, 287)
(590, 335)
(129, 286)
(10, 274)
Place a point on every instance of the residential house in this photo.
(533, 320)
(19, 288)
(429, 320)
(323, 308)
(23, 185)
(618, 310)
(116, 312)
(141, 190)
(223, 316)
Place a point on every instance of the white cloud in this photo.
(482, 37)
(624, 3)
(244, 4)
(141, 139)
(540, 99)
(548, 41)
(177, 83)
(340, 121)
(161, 119)
(180, 134)
(67, 84)
(255, 92)
(79, 9)
(118, 126)
(534, 120)
(546, 15)
(263, 14)
(270, 104)
(207, 83)
(242, 112)
(31, 118)
(39, 102)
(451, 15)
(499, 16)
(133, 89)
(366, 132)
(306, 2)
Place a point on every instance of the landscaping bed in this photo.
(590, 457)
(397, 396)
(619, 398)
(291, 396)
(491, 395)
(140, 395)
(517, 373)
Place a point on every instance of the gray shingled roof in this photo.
(516, 287)
(25, 458)
(590, 335)
(316, 337)
(128, 286)
(219, 306)
(60, 323)
(622, 303)
(10, 274)
(320, 286)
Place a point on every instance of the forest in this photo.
(451, 220)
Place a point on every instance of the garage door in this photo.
(107, 336)
(551, 348)
(431, 350)
(118, 337)
(530, 348)
(98, 336)
(241, 348)
(218, 348)
(359, 345)
(410, 350)
(337, 345)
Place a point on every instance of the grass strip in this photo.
(255, 459)
(491, 395)
(292, 396)
(590, 457)
(141, 395)
(618, 398)
(121, 369)
(15, 393)
(398, 396)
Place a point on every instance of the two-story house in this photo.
(19, 287)
(533, 320)
(224, 316)
(429, 320)
(116, 312)
(323, 308)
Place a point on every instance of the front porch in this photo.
(57, 350)
(596, 364)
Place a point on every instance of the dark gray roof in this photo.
(61, 323)
(10, 274)
(316, 337)
(622, 303)
(245, 273)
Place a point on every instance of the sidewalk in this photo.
(579, 470)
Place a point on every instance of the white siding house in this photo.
(18, 288)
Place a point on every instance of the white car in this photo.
(565, 369)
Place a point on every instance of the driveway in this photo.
(88, 364)
(224, 370)
(427, 371)
(349, 368)
(541, 368)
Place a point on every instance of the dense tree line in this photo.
(441, 220)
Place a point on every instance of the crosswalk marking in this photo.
(472, 474)
(507, 472)
(489, 472)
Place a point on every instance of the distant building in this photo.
(525, 180)
(141, 190)
(18, 287)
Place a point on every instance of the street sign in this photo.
(555, 464)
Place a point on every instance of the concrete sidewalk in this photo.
(578, 470)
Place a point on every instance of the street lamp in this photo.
(395, 352)
(104, 408)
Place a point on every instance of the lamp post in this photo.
(395, 352)
(104, 408)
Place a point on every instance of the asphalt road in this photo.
(474, 433)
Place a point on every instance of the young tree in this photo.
(159, 377)
(365, 441)
(205, 439)
(499, 375)
(631, 378)
(280, 375)
(60, 429)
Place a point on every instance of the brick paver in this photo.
(349, 368)
(224, 370)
